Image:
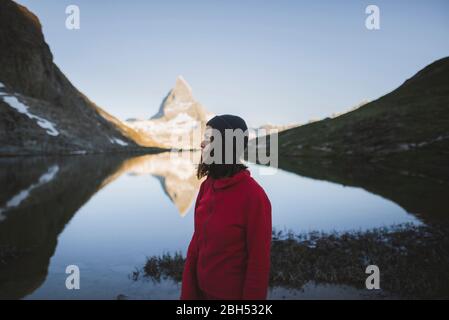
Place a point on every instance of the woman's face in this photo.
(206, 143)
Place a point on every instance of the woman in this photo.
(229, 254)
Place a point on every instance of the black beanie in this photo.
(228, 121)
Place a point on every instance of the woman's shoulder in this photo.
(255, 190)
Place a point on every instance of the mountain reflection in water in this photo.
(106, 214)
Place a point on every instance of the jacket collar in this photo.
(223, 183)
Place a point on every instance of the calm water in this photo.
(106, 215)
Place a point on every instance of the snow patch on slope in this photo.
(14, 103)
(118, 141)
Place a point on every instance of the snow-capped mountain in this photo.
(179, 100)
(180, 121)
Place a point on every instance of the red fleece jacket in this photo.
(229, 254)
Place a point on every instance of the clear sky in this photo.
(267, 61)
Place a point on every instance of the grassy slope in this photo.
(396, 146)
(399, 122)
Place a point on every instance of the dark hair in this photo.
(218, 171)
(223, 170)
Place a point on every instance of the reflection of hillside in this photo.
(176, 173)
(39, 197)
(422, 195)
(395, 146)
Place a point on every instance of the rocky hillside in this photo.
(407, 128)
(40, 110)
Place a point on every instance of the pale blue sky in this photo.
(267, 61)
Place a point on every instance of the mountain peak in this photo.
(179, 118)
(182, 85)
(179, 100)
